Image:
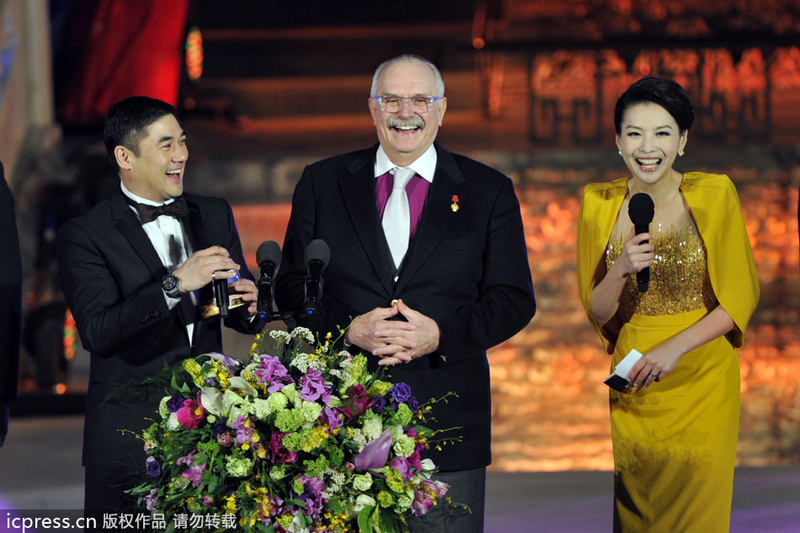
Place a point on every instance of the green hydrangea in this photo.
(385, 499)
(404, 501)
(316, 467)
(162, 407)
(290, 391)
(310, 411)
(289, 420)
(362, 482)
(277, 472)
(404, 446)
(394, 480)
(277, 401)
(379, 388)
(293, 442)
(403, 415)
(238, 466)
(209, 448)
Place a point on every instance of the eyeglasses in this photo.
(392, 104)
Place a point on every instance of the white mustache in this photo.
(413, 122)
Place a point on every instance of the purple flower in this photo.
(314, 388)
(330, 417)
(413, 404)
(312, 495)
(402, 465)
(379, 405)
(153, 467)
(244, 430)
(272, 372)
(193, 472)
(428, 492)
(278, 453)
(375, 453)
(151, 500)
(356, 401)
(211, 382)
(400, 393)
(219, 428)
(175, 403)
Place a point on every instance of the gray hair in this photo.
(409, 58)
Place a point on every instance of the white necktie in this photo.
(397, 215)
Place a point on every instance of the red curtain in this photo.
(126, 49)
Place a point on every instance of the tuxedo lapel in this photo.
(437, 216)
(130, 227)
(358, 193)
(194, 227)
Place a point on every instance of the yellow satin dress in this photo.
(674, 441)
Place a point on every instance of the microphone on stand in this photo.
(641, 210)
(317, 255)
(268, 257)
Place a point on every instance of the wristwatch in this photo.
(170, 285)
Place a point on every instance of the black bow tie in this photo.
(148, 213)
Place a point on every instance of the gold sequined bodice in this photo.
(679, 279)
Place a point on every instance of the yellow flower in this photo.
(194, 370)
(230, 504)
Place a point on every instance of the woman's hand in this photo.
(655, 365)
(636, 254)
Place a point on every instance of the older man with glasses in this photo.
(428, 261)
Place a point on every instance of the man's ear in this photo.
(124, 157)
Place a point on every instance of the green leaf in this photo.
(365, 520)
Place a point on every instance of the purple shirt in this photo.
(416, 190)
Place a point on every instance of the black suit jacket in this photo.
(111, 276)
(466, 268)
(10, 294)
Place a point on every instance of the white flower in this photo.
(427, 466)
(211, 399)
(172, 422)
(372, 428)
(363, 501)
(303, 334)
(281, 336)
(239, 383)
(302, 362)
(359, 438)
(261, 408)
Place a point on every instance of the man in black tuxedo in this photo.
(134, 280)
(10, 303)
(462, 285)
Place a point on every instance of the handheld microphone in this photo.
(317, 256)
(221, 296)
(641, 210)
(268, 257)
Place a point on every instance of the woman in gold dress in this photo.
(675, 437)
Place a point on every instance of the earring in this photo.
(680, 153)
(619, 152)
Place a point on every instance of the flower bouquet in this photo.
(292, 442)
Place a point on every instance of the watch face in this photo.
(170, 284)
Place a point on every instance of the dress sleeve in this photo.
(718, 214)
(600, 205)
